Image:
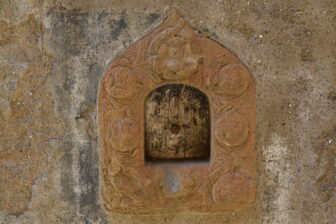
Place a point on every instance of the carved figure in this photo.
(124, 134)
(122, 85)
(174, 56)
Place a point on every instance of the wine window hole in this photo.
(177, 124)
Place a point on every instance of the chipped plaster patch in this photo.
(279, 177)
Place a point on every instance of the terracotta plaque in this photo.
(177, 126)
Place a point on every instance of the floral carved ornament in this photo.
(174, 53)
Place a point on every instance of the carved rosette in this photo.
(174, 53)
(233, 189)
(232, 129)
(231, 80)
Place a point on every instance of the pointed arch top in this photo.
(175, 54)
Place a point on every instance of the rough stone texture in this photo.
(53, 55)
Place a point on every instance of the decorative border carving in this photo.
(174, 53)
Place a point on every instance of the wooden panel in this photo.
(177, 124)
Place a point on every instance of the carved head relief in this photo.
(122, 85)
(174, 56)
(177, 126)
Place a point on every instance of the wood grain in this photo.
(177, 124)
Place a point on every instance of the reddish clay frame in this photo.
(174, 53)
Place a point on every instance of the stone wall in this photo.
(53, 55)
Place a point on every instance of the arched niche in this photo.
(177, 124)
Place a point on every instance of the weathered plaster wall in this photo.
(53, 55)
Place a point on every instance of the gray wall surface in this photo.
(53, 55)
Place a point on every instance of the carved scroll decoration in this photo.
(174, 53)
